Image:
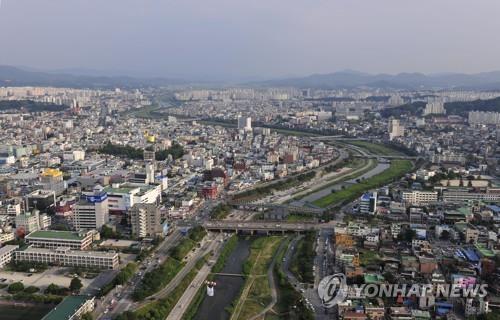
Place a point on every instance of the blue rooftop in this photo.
(494, 208)
(471, 255)
(366, 196)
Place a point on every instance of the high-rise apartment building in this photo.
(244, 123)
(435, 107)
(395, 129)
(145, 219)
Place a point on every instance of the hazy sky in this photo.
(251, 38)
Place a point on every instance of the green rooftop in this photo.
(373, 278)
(53, 234)
(66, 308)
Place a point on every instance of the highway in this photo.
(123, 295)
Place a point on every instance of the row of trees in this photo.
(303, 259)
(176, 151)
(121, 278)
(52, 294)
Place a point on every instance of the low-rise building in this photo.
(6, 253)
(52, 239)
(64, 256)
(418, 198)
(71, 308)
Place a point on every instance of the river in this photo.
(338, 186)
(228, 287)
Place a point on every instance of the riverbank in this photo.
(397, 169)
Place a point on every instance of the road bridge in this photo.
(290, 209)
(382, 158)
(259, 226)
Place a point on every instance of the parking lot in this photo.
(42, 279)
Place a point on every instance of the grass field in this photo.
(355, 165)
(35, 312)
(256, 293)
(377, 148)
(397, 169)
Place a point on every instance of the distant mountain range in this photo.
(14, 76)
(80, 78)
(353, 79)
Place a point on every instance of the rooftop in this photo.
(53, 234)
(66, 308)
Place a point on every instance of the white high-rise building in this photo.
(91, 212)
(479, 117)
(244, 123)
(395, 129)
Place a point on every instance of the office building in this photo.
(368, 203)
(42, 200)
(91, 211)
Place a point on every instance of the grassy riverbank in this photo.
(397, 169)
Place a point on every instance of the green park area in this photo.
(397, 169)
(256, 293)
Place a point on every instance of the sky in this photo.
(252, 39)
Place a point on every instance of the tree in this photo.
(408, 235)
(445, 235)
(87, 316)
(75, 285)
(15, 287)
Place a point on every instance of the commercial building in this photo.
(91, 212)
(51, 239)
(6, 253)
(41, 200)
(368, 203)
(52, 180)
(71, 308)
(64, 256)
(123, 197)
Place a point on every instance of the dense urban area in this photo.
(183, 202)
